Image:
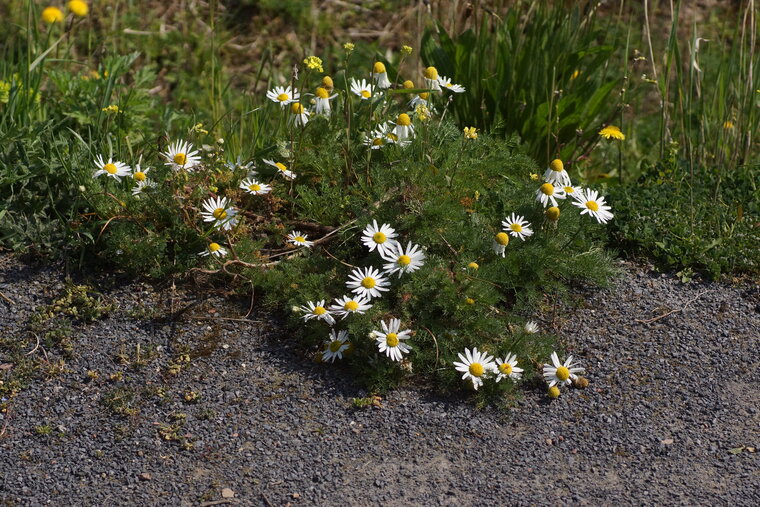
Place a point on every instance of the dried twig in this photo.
(434, 341)
(671, 312)
(9, 300)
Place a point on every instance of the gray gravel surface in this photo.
(672, 414)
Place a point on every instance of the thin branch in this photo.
(9, 300)
(434, 341)
(671, 312)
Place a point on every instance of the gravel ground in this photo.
(672, 415)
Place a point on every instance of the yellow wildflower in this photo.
(79, 8)
(470, 133)
(112, 109)
(406, 50)
(52, 15)
(612, 132)
(314, 63)
(349, 47)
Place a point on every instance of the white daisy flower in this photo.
(317, 311)
(592, 203)
(403, 261)
(389, 340)
(475, 365)
(112, 168)
(298, 238)
(283, 96)
(345, 306)
(500, 242)
(336, 345)
(220, 211)
(255, 187)
(431, 79)
(561, 373)
(404, 128)
(142, 186)
(214, 249)
(140, 175)
(507, 368)
(367, 282)
(299, 116)
(378, 138)
(181, 155)
(282, 168)
(362, 89)
(531, 327)
(381, 76)
(571, 191)
(548, 193)
(381, 237)
(446, 84)
(322, 100)
(517, 226)
(556, 174)
(239, 164)
(419, 100)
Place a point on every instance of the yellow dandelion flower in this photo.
(612, 132)
(52, 15)
(79, 8)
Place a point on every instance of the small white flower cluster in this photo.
(365, 285)
(557, 185)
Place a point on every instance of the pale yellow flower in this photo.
(470, 133)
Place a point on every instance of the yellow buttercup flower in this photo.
(52, 15)
(79, 8)
(612, 132)
(314, 63)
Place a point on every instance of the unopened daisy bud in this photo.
(469, 301)
(52, 15)
(327, 83)
(378, 68)
(553, 392)
(473, 265)
(348, 47)
(79, 8)
(408, 84)
(296, 108)
(406, 50)
(431, 73)
(295, 309)
(552, 213)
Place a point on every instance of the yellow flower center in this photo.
(469, 301)
(552, 213)
(408, 84)
(569, 190)
(368, 282)
(180, 159)
(557, 165)
(296, 108)
(516, 227)
(404, 260)
(553, 392)
(254, 188)
(366, 94)
(563, 373)
(213, 247)
(378, 141)
(281, 166)
(391, 339)
(139, 176)
(327, 82)
(547, 189)
(473, 265)
(299, 239)
(404, 120)
(424, 95)
(393, 137)
(319, 310)
(592, 205)
(219, 214)
(335, 345)
(351, 306)
(322, 93)
(379, 237)
(505, 368)
(476, 369)
(283, 97)
(502, 238)
(449, 85)
(379, 68)
(110, 168)
(431, 73)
